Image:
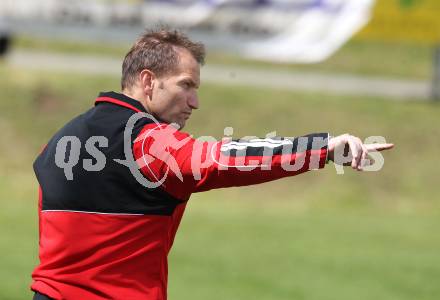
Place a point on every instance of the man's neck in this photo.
(138, 97)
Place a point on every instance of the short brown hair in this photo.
(156, 51)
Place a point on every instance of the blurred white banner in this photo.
(304, 31)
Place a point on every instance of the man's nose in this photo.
(193, 101)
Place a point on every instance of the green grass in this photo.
(285, 254)
(67, 46)
(315, 236)
(369, 58)
(372, 58)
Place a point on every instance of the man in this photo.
(106, 228)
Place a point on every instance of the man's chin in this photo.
(181, 125)
(178, 124)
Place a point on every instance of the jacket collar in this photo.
(121, 100)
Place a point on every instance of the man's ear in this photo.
(147, 79)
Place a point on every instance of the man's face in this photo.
(174, 96)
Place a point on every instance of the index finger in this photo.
(378, 147)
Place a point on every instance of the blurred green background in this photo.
(315, 236)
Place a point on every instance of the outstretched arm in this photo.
(190, 165)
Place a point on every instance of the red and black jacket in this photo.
(104, 235)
